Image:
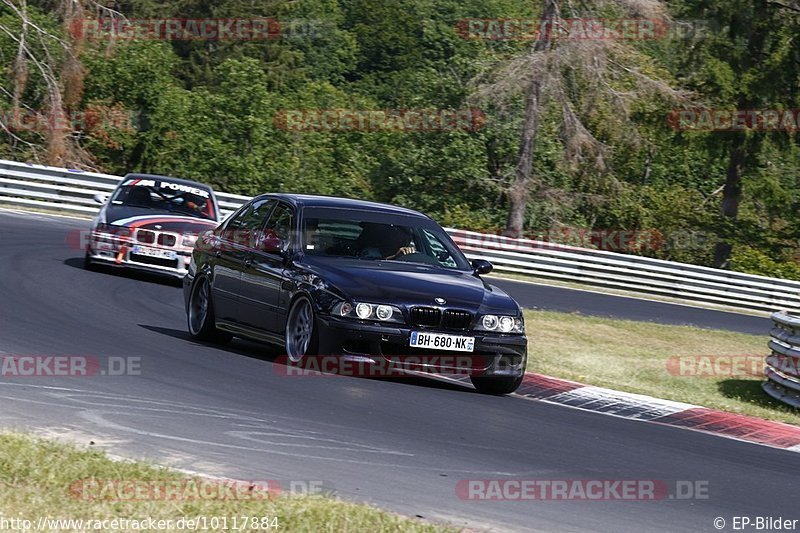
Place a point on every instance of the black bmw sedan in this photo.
(354, 280)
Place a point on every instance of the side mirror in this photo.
(206, 241)
(271, 243)
(481, 266)
(100, 198)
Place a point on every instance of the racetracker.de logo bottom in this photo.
(380, 367)
(580, 490)
(192, 489)
(30, 366)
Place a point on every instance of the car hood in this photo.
(136, 217)
(409, 284)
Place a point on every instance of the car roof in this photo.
(311, 200)
(168, 178)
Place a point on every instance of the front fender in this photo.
(323, 296)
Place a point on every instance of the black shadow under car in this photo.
(354, 280)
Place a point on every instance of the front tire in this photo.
(496, 386)
(301, 330)
(200, 314)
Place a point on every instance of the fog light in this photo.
(363, 310)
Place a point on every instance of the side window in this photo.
(439, 251)
(281, 223)
(252, 216)
(242, 228)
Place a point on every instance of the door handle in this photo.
(218, 254)
(247, 263)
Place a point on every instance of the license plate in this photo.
(442, 341)
(153, 252)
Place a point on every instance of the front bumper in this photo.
(494, 355)
(116, 251)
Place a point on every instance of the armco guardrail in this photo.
(60, 189)
(783, 364)
(632, 273)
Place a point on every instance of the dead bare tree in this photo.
(548, 74)
(57, 59)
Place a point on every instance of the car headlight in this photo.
(368, 311)
(102, 227)
(189, 240)
(384, 312)
(501, 324)
(363, 311)
(121, 232)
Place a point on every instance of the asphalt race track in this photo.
(535, 296)
(401, 444)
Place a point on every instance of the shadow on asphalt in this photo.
(274, 355)
(171, 281)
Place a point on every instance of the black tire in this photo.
(88, 264)
(496, 386)
(200, 314)
(301, 336)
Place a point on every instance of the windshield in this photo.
(369, 236)
(162, 195)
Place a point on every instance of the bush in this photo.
(752, 261)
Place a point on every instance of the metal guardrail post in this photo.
(783, 364)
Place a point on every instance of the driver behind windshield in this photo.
(196, 204)
(398, 243)
(182, 202)
(383, 241)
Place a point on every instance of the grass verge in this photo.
(38, 477)
(711, 368)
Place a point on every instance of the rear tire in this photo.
(496, 386)
(200, 314)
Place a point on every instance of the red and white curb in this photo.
(647, 408)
